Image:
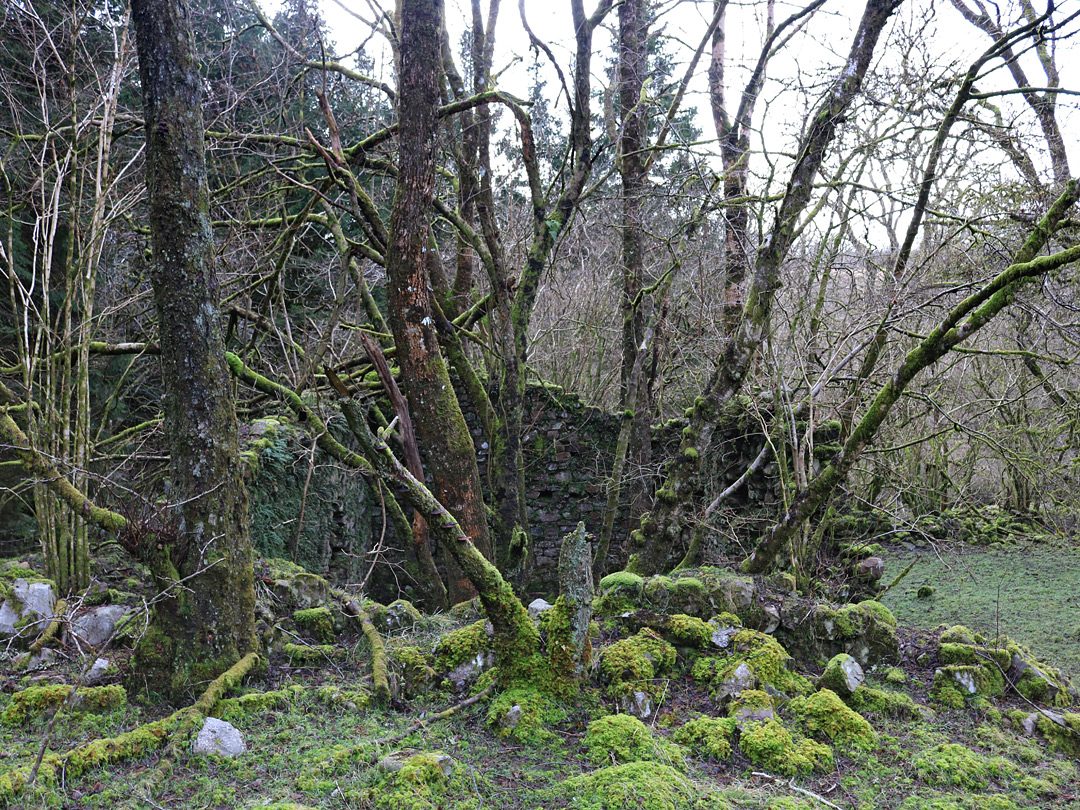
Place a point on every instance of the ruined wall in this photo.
(569, 449)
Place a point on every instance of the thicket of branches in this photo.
(826, 235)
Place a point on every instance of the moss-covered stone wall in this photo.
(569, 448)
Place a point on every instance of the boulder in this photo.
(97, 672)
(97, 625)
(28, 599)
(843, 675)
(537, 607)
(219, 737)
(395, 762)
(870, 569)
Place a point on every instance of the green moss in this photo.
(313, 654)
(925, 591)
(950, 764)
(412, 667)
(536, 713)
(620, 738)
(879, 610)
(35, 701)
(639, 785)
(317, 622)
(461, 645)
(992, 802)
(868, 700)
(824, 713)
(765, 657)
(631, 664)
(772, 747)
(349, 699)
(421, 785)
(1066, 740)
(982, 680)
(255, 703)
(895, 675)
(620, 591)
(707, 737)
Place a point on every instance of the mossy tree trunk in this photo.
(451, 456)
(207, 622)
(667, 530)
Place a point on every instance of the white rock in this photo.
(538, 606)
(35, 598)
(97, 671)
(218, 737)
(97, 625)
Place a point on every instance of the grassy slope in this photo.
(1027, 591)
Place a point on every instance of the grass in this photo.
(1029, 592)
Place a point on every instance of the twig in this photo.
(791, 786)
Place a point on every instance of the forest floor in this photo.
(312, 734)
(1027, 591)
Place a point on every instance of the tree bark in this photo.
(451, 457)
(207, 624)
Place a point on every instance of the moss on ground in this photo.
(762, 654)
(35, 701)
(773, 748)
(825, 713)
(707, 737)
(633, 663)
(619, 738)
(643, 785)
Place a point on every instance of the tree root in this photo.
(170, 732)
(378, 650)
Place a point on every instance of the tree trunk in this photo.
(207, 623)
(451, 457)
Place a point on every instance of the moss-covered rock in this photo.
(772, 747)
(317, 623)
(409, 663)
(825, 713)
(620, 738)
(35, 701)
(757, 653)
(842, 675)
(464, 644)
(957, 683)
(525, 715)
(399, 615)
(352, 700)
(883, 702)
(631, 664)
(707, 737)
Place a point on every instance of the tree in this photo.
(201, 552)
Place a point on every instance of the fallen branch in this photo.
(138, 742)
(378, 650)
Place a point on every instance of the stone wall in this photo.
(568, 448)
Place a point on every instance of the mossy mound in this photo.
(772, 747)
(972, 666)
(411, 666)
(954, 765)
(883, 702)
(426, 781)
(699, 592)
(317, 623)
(644, 785)
(620, 738)
(633, 663)
(461, 645)
(399, 615)
(766, 660)
(35, 701)
(707, 737)
(825, 713)
(525, 715)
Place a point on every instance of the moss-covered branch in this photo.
(964, 320)
(378, 650)
(39, 468)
